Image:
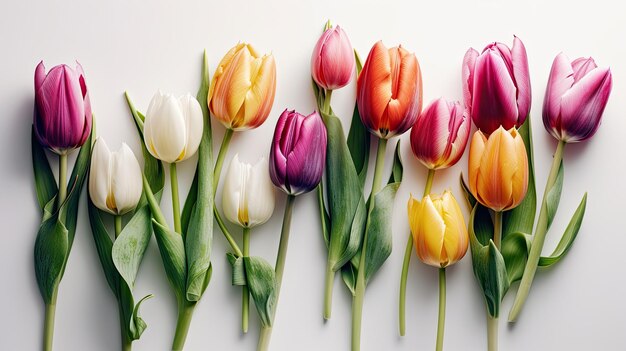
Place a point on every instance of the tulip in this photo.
(173, 127)
(332, 62)
(438, 229)
(242, 90)
(576, 96)
(440, 134)
(498, 169)
(389, 91)
(248, 198)
(496, 86)
(62, 108)
(115, 181)
(298, 152)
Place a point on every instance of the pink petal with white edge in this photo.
(522, 79)
(469, 61)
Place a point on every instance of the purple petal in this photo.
(559, 82)
(40, 75)
(582, 66)
(305, 163)
(278, 161)
(522, 79)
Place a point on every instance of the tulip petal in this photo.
(582, 66)
(260, 194)
(456, 239)
(522, 79)
(374, 87)
(459, 127)
(231, 192)
(126, 180)
(166, 127)
(520, 176)
(430, 134)
(100, 176)
(194, 124)
(305, 162)
(469, 63)
(497, 168)
(431, 230)
(260, 97)
(406, 84)
(560, 80)
(278, 160)
(477, 149)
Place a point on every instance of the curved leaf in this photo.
(104, 246)
(137, 325)
(358, 136)
(567, 240)
(172, 251)
(261, 280)
(45, 184)
(554, 196)
(51, 249)
(515, 248)
(129, 247)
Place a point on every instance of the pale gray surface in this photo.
(578, 305)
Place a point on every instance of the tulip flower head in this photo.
(498, 169)
(298, 152)
(332, 62)
(243, 87)
(440, 134)
(496, 86)
(576, 96)
(173, 127)
(438, 228)
(115, 180)
(62, 117)
(389, 91)
(248, 194)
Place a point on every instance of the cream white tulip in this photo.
(115, 180)
(173, 127)
(248, 194)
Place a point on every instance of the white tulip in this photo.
(248, 194)
(115, 180)
(173, 127)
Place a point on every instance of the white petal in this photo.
(126, 181)
(165, 128)
(194, 122)
(260, 194)
(100, 175)
(232, 191)
(153, 108)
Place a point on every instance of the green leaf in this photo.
(515, 249)
(137, 325)
(349, 275)
(567, 240)
(358, 136)
(397, 169)
(190, 202)
(172, 251)
(522, 218)
(324, 214)
(51, 249)
(554, 196)
(199, 235)
(471, 200)
(104, 246)
(261, 280)
(238, 270)
(488, 264)
(130, 246)
(45, 184)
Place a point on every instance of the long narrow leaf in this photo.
(567, 240)
(45, 185)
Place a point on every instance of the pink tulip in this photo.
(332, 62)
(576, 96)
(440, 134)
(496, 86)
(62, 109)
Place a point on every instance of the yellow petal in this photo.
(430, 233)
(456, 238)
(477, 149)
(520, 177)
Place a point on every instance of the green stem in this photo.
(175, 200)
(330, 273)
(357, 302)
(326, 106)
(217, 171)
(407, 260)
(229, 238)
(245, 295)
(492, 333)
(126, 342)
(185, 312)
(442, 309)
(118, 225)
(62, 178)
(266, 331)
(538, 239)
(497, 228)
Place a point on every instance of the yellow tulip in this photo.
(438, 228)
(243, 87)
(498, 169)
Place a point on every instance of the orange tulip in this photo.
(389, 91)
(498, 169)
(438, 228)
(243, 87)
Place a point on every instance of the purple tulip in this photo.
(496, 86)
(62, 109)
(298, 152)
(576, 96)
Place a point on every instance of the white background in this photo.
(141, 47)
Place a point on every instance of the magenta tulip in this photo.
(440, 134)
(62, 109)
(332, 62)
(496, 86)
(298, 152)
(576, 96)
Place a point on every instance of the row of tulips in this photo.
(306, 149)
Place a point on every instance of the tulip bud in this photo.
(576, 96)
(248, 195)
(243, 87)
(62, 108)
(496, 86)
(389, 91)
(440, 134)
(115, 180)
(438, 228)
(298, 152)
(173, 127)
(498, 169)
(332, 63)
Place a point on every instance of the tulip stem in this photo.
(62, 179)
(126, 342)
(245, 294)
(217, 171)
(118, 225)
(492, 333)
(175, 200)
(330, 274)
(442, 309)
(357, 301)
(407, 260)
(185, 312)
(497, 228)
(229, 238)
(266, 331)
(538, 239)
(326, 106)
